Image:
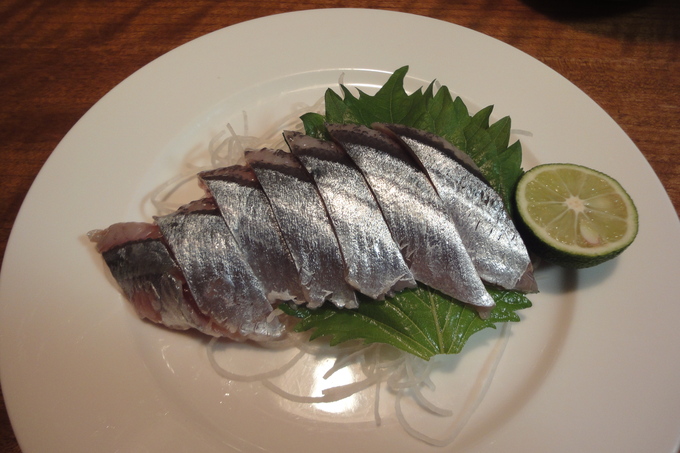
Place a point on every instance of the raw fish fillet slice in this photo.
(249, 217)
(149, 277)
(221, 281)
(305, 226)
(374, 264)
(488, 233)
(419, 222)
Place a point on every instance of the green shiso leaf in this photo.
(421, 321)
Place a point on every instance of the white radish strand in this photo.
(249, 378)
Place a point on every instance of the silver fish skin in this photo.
(488, 233)
(149, 277)
(221, 281)
(428, 239)
(305, 226)
(249, 216)
(374, 264)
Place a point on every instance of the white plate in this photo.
(592, 367)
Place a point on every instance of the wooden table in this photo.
(57, 58)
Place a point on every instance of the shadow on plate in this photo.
(573, 279)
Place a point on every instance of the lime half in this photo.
(575, 216)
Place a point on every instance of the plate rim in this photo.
(22, 223)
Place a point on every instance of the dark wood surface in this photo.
(58, 57)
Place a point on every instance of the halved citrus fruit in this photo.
(575, 216)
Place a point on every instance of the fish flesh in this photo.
(488, 233)
(220, 279)
(374, 264)
(305, 226)
(249, 216)
(428, 239)
(149, 277)
(372, 211)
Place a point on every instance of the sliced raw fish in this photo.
(374, 264)
(415, 214)
(250, 218)
(488, 233)
(220, 279)
(305, 226)
(149, 277)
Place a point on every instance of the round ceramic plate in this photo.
(589, 368)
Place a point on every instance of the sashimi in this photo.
(417, 218)
(221, 281)
(305, 226)
(374, 264)
(149, 277)
(485, 227)
(249, 216)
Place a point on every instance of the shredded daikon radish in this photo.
(226, 148)
(160, 197)
(384, 367)
(376, 404)
(249, 378)
(329, 395)
(522, 132)
(474, 400)
(341, 362)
